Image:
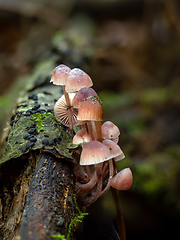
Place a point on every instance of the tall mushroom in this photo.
(59, 77)
(82, 95)
(122, 180)
(91, 111)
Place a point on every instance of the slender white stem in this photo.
(98, 131)
(111, 172)
(69, 109)
(82, 189)
(98, 189)
(88, 171)
(91, 130)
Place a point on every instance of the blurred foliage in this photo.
(4, 103)
(158, 174)
(131, 51)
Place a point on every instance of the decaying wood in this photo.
(49, 204)
(40, 203)
(37, 178)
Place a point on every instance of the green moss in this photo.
(38, 117)
(50, 127)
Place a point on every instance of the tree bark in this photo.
(36, 176)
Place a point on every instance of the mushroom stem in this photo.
(98, 168)
(104, 169)
(98, 131)
(95, 194)
(94, 129)
(91, 129)
(111, 172)
(69, 108)
(88, 171)
(87, 166)
(82, 189)
(115, 167)
(121, 224)
(83, 127)
(80, 173)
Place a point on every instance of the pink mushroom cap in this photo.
(90, 110)
(94, 152)
(81, 137)
(60, 74)
(109, 130)
(122, 180)
(76, 80)
(113, 147)
(82, 95)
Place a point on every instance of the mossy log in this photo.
(36, 170)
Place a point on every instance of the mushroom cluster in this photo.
(80, 105)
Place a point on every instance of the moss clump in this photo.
(38, 118)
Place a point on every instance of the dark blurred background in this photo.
(131, 50)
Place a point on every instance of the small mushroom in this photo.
(76, 80)
(110, 131)
(59, 77)
(122, 180)
(81, 137)
(60, 74)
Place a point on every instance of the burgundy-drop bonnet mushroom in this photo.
(80, 104)
(76, 80)
(122, 180)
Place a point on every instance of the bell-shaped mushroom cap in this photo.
(60, 74)
(81, 137)
(90, 110)
(109, 130)
(122, 180)
(113, 147)
(76, 80)
(61, 111)
(82, 94)
(94, 152)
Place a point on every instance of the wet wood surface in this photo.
(38, 200)
(37, 177)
